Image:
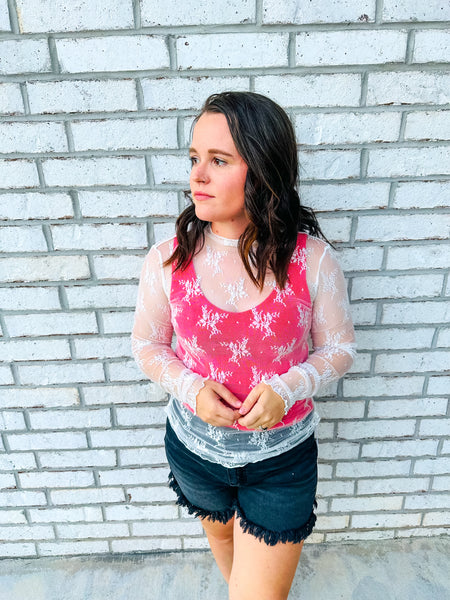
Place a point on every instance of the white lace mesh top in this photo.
(225, 284)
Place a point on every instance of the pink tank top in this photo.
(238, 349)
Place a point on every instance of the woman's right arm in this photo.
(151, 338)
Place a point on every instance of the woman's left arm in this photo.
(332, 336)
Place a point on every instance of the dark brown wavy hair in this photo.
(264, 137)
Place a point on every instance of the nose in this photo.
(200, 173)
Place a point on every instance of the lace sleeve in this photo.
(151, 338)
(332, 336)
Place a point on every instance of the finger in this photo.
(250, 401)
(226, 395)
(254, 419)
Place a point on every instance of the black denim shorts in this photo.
(274, 499)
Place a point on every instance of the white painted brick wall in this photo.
(96, 104)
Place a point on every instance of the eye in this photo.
(219, 162)
(193, 160)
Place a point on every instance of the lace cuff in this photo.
(304, 386)
(190, 387)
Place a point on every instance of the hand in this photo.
(217, 405)
(262, 408)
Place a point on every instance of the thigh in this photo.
(278, 499)
(200, 484)
(262, 571)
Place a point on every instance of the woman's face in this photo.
(218, 176)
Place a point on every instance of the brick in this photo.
(325, 431)
(363, 313)
(170, 528)
(127, 437)
(141, 415)
(44, 268)
(99, 236)
(15, 461)
(23, 298)
(102, 347)
(63, 323)
(10, 99)
(101, 296)
(388, 521)
(150, 494)
(112, 53)
(123, 394)
(170, 93)
(39, 397)
(404, 10)
(12, 516)
(428, 125)
(65, 515)
(372, 469)
(421, 194)
(7, 480)
(347, 128)
(129, 512)
(143, 456)
(432, 45)
(383, 386)
(18, 350)
(84, 496)
(387, 449)
(73, 548)
(335, 488)
(30, 206)
(343, 89)
(329, 164)
(338, 450)
(380, 503)
(22, 239)
(398, 485)
(18, 173)
(116, 321)
(47, 441)
(52, 479)
(376, 429)
(15, 498)
(400, 162)
(147, 545)
(432, 466)
(434, 427)
(427, 501)
(435, 256)
(170, 168)
(94, 171)
(32, 137)
(443, 338)
(316, 48)
(117, 134)
(49, 97)
(125, 371)
(416, 362)
(385, 339)
(61, 372)
(416, 312)
(117, 267)
(79, 15)
(437, 518)
(133, 476)
(408, 87)
(390, 227)
(163, 231)
(92, 530)
(171, 13)
(34, 532)
(128, 203)
(4, 16)
(405, 407)
(24, 56)
(336, 409)
(399, 286)
(368, 258)
(232, 50)
(441, 483)
(77, 459)
(70, 419)
(317, 12)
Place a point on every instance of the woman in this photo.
(244, 283)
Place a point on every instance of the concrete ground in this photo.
(413, 569)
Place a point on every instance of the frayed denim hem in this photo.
(271, 538)
(223, 516)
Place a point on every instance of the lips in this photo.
(202, 196)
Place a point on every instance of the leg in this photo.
(220, 538)
(262, 571)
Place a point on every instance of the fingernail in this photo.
(243, 410)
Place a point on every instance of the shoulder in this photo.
(164, 248)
